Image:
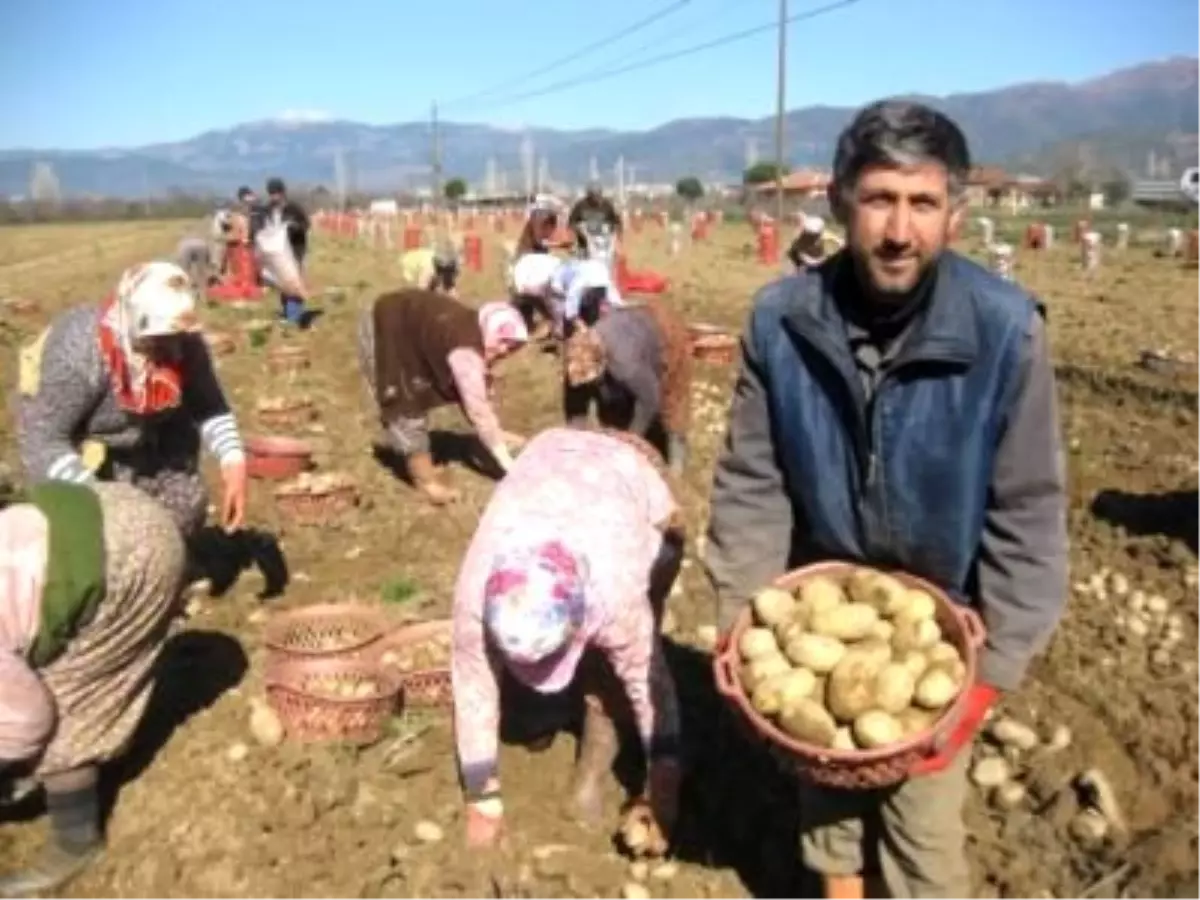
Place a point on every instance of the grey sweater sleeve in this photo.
(1023, 558)
(70, 386)
(751, 520)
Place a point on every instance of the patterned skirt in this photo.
(102, 682)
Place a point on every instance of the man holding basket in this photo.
(896, 408)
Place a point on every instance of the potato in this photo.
(875, 728)
(851, 688)
(816, 652)
(808, 721)
(773, 606)
(955, 668)
(915, 661)
(844, 739)
(847, 622)
(915, 634)
(883, 631)
(858, 584)
(942, 652)
(780, 691)
(788, 632)
(755, 643)
(820, 593)
(894, 687)
(886, 594)
(757, 671)
(935, 689)
(919, 604)
(916, 721)
(878, 650)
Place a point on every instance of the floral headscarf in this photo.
(501, 326)
(152, 300)
(534, 609)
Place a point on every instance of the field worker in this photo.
(126, 391)
(635, 363)
(541, 224)
(813, 244)
(567, 575)
(530, 279)
(419, 350)
(431, 270)
(89, 580)
(593, 213)
(896, 407)
(285, 212)
(194, 256)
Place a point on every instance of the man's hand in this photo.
(233, 500)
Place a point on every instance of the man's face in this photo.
(277, 198)
(898, 221)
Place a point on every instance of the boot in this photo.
(75, 838)
(598, 748)
(425, 476)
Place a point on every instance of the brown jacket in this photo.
(415, 332)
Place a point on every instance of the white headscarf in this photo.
(532, 273)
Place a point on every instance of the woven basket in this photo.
(287, 359)
(859, 769)
(713, 344)
(421, 688)
(325, 629)
(276, 458)
(319, 508)
(295, 414)
(298, 689)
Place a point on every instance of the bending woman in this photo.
(566, 577)
(420, 350)
(89, 579)
(126, 391)
(635, 363)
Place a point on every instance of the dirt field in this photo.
(195, 815)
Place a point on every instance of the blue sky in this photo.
(91, 73)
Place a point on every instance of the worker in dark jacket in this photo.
(896, 407)
(594, 214)
(282, 211)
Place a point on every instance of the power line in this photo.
(583, 51)
(609, 72)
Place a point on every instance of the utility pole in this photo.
(780, 111)
(436, 160)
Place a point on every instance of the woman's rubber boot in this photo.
(598, 748)
(75, 839)
(425, 476)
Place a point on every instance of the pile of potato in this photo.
(853, 663)
(433, 653)
(346, 688)
(310, 483)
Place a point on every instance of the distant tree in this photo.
(1117, 189)
(761, 173)
(43, 185)
(455, 189)
(689, 188)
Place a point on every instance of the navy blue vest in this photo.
(900, 479)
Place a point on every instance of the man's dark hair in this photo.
(900, 133)
(275, 186)
(243, 192)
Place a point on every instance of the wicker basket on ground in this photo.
(854, 769)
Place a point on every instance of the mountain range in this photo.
(1118, 121)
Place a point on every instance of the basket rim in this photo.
(286, 619)
(921, 742)
(277, 445)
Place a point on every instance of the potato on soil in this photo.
(820, 593)
(756, 671)
(816, 652)
(935, 689)
(894, 687)
(851, 688)
(809, 722)
(780, 691)
(848, 622)
(756, 643)
(876, 728)
(915, 634)
(773, 606)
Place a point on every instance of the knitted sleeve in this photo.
(205, 401)
(62, 382)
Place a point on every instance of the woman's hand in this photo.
(233, 500)
(485, 823)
